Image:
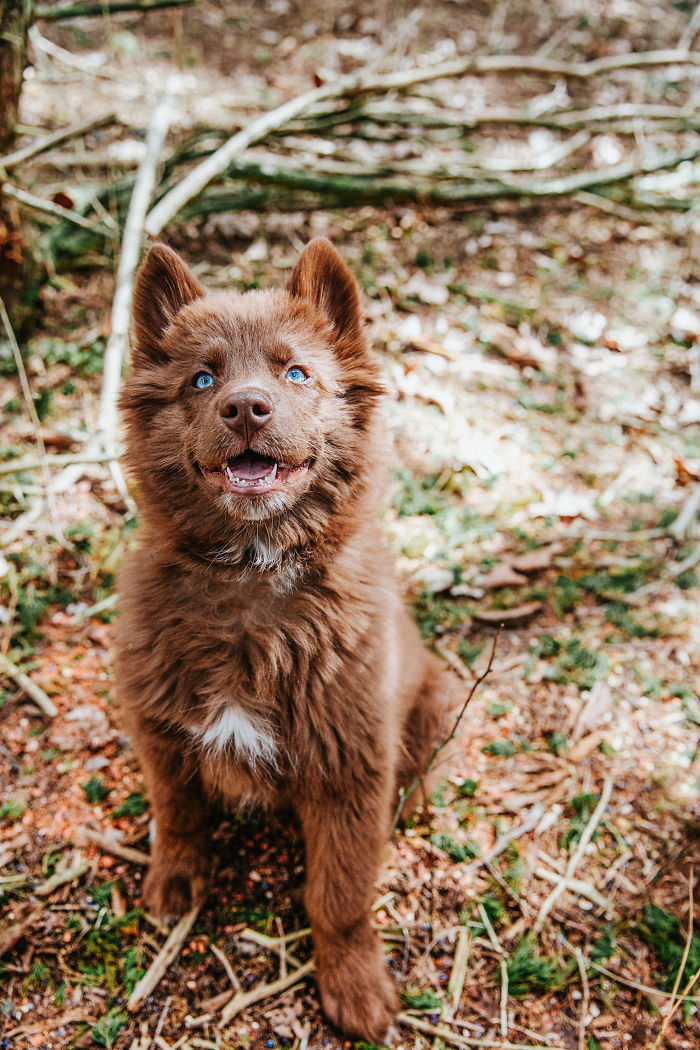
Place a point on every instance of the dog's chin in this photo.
(254, 508)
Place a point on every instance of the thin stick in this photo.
(405, 794)
(680, 528)
(107, 845)
(534, 817)
(163, 959)
(442, 1032)
(688, 941)
(264, 991)
(33, 691)
(504, 998)
(584, 889)
(128, 260)
(359, 84)
(108, 7)
(647, 989)
(585, 1001)
(576, 856)
(29, 200)
(459, 969)
(16, 466)
(55, 138)
(61, 878)
(31, 409)
(223, 959)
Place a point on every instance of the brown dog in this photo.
(263, 654)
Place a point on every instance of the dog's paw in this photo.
(357, 993)
(171, 889)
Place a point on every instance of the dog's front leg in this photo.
(344, 842)
(178, 874)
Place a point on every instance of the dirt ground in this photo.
(543, 398)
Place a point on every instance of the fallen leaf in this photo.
(508, 616)
(537, 560)
(501, 576)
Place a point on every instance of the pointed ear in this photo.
(163, 286)
(323, 278)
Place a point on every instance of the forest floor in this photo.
(541, 362)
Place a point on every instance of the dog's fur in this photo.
(263, 654)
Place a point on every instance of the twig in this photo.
(585, 1000)
(504, 998)
(61, 878)
(33, 691)
(67, 58)
(459, 969)
(576, 856)
(55, 138)
(691, 30)
(534, 817)
(647, 989)
(264, 991)
(681, 527)
(584, 889)
(29, 200)
(9, 935)
(200, 176)
(442, 1032)
(674, 1004)
(223, 959)
(491, 933)
(107, 7)
(31, 409)
(432, 186)
(163, 959)
(16, 466)
(404, 794)
(128, 260)
(108, 845)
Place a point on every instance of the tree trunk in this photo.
(16, 263)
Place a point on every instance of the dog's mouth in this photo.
(253, 474)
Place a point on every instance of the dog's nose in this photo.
(247, 410)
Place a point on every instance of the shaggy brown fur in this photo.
(263, 654)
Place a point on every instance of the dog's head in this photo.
(249, 412)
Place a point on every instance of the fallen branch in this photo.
(54, 138)
(576, 856)
(109, 845)
(265, 991)
(368, 83)
(503, 842)
(583, 889)
(128, 260)
(16, 466)
(647, 989)
(459, 969)
(675, 1003)
(108, 7)
(431, 187)
(404, 794)
(162, 961)
(585, 998)
(33, 691)
(442, 1032)
(57, 211)
(45, 889)
(9, 935)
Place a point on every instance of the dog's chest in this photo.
(238, 735)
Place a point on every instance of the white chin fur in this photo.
(251, 508)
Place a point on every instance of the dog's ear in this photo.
(322, 277)
(163, 286)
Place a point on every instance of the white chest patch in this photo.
(233, 730)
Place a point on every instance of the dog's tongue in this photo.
(251, 467)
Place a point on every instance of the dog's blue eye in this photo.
(297, 375)
(202, 380)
